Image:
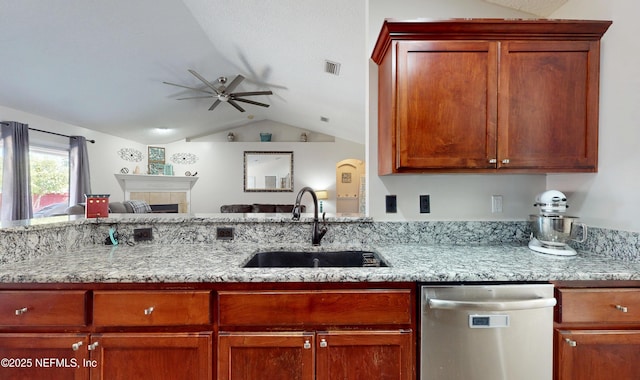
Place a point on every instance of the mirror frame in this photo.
(268, 190)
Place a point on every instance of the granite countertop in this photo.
(196, 263)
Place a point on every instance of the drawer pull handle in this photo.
(21, 311)
(506, 161)
(622, 308)
(306, 345)
(76, 346)
(93, 346)
(493, 161)
(148, 310)
(572, 343)
(323, 343)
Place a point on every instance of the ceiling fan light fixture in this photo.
(224, 93)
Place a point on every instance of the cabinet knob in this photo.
(571, 343)
(493, 161)
(148, 310)
(307, 344)
(323, 343)
(505, 161)
(93, 346)
(76, 346)
(21, 311)
(622, 308)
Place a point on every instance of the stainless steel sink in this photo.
(302, 259)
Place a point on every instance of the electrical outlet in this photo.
(391, 204)
(425, 204)
(224, 233)
(142, 234)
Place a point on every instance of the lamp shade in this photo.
(322, 194)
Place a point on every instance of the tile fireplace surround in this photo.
(158, 189)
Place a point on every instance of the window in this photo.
(49, 169)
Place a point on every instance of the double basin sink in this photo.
(315, 259)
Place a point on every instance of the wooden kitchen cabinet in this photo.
(124, 356)
(151, 355)
(106, 334)
(316, 334)
(597, 333)
(374, 355)
(266, 355)
(322, 355)
(57, 356)
(488, 96)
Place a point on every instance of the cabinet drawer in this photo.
(151, 308)
(616, 305)
(326, 307)
(43, 308)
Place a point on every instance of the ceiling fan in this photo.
(223, 92)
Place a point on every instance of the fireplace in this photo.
(168, 208)
(158, 190)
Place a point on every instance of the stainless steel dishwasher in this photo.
(487, 332)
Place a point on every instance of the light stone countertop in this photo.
(215, 263)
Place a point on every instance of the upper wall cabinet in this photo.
(486, 95)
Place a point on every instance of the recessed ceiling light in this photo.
(162, 131)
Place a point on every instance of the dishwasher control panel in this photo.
(490, 321)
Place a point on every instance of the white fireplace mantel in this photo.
(155, 183)
(144, 182)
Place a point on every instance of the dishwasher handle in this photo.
(535, 303)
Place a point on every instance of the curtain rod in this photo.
(51, 133)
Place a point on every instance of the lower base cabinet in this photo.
(175, 356)
(597, 331)
(598, 354)
(315, 355)
(44, 356)
(111, 356)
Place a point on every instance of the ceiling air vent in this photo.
(332, 67)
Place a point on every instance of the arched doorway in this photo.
(350, 186)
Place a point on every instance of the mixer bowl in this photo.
(556, 230)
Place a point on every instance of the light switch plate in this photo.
(425, 204)
(391, 204)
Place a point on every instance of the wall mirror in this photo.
(268, 171)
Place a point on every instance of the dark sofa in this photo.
(258, 207)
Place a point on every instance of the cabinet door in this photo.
(548, 105)
(446, 105)
(365, 355)
(250, 356)
(44, 356)
(597, 354)
(125, 356)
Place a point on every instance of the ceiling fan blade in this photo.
(252, 93)
(233, 103)
(250, 102)
(196, 97)
(215, 104)
(190, 88)
(234, 83)
(204, 81)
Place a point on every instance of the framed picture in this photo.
(156, 168)
(156, 154)
(156, 160)
(346, 177)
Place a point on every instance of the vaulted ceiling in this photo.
(101, 64)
